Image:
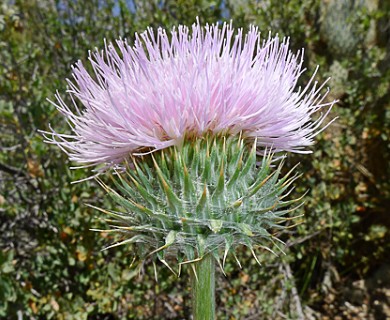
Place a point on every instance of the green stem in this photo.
(203, 289)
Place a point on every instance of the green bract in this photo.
(208, 196)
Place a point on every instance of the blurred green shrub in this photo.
(51, 265)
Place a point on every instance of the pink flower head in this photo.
(153, 94)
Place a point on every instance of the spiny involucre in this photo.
(207, 197)
(153, 94)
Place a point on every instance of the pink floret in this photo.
(159, 91)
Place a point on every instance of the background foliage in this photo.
(337, 264)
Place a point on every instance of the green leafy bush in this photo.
(51, 265)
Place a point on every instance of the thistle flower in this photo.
(154, 94)
(191, 114)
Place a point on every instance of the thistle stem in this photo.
(203, 289)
